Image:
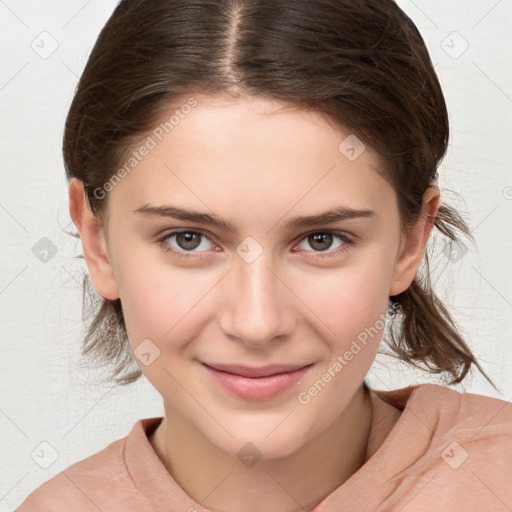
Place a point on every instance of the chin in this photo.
(281, 439)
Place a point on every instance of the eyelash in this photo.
(347, 242)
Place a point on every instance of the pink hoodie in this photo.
(448, 452)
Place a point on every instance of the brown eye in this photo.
(188, 240)
(328, 242)
(185, 242)
(320, 241)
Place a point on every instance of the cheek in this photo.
(349, 299)
(150, 305)
(353, 304)
(162, 301)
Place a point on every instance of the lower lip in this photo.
(257, 388)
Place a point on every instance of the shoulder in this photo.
(455, 410)
(469, 426)
(470, 456)
(460, 449)
(99, 481)
(444, 408)
(72, 486)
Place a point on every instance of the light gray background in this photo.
(47, 394)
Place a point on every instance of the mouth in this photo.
(256, 383)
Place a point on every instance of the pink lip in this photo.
(252, 383)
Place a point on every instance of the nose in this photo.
(256, 305)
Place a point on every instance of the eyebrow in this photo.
(332, 215)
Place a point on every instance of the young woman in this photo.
(254, 186)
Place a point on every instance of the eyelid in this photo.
(176, 231)
(348, 241)
(333, 231)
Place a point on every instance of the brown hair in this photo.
(361, 63)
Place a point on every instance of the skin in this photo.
(287, 306)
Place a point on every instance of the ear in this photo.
(413, 244)
(93, 242)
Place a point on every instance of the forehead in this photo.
(252, 153)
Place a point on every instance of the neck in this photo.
(218, 481)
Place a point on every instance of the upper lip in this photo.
(251, 371)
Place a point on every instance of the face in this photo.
(300, 301)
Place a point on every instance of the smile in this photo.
(251, 383)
